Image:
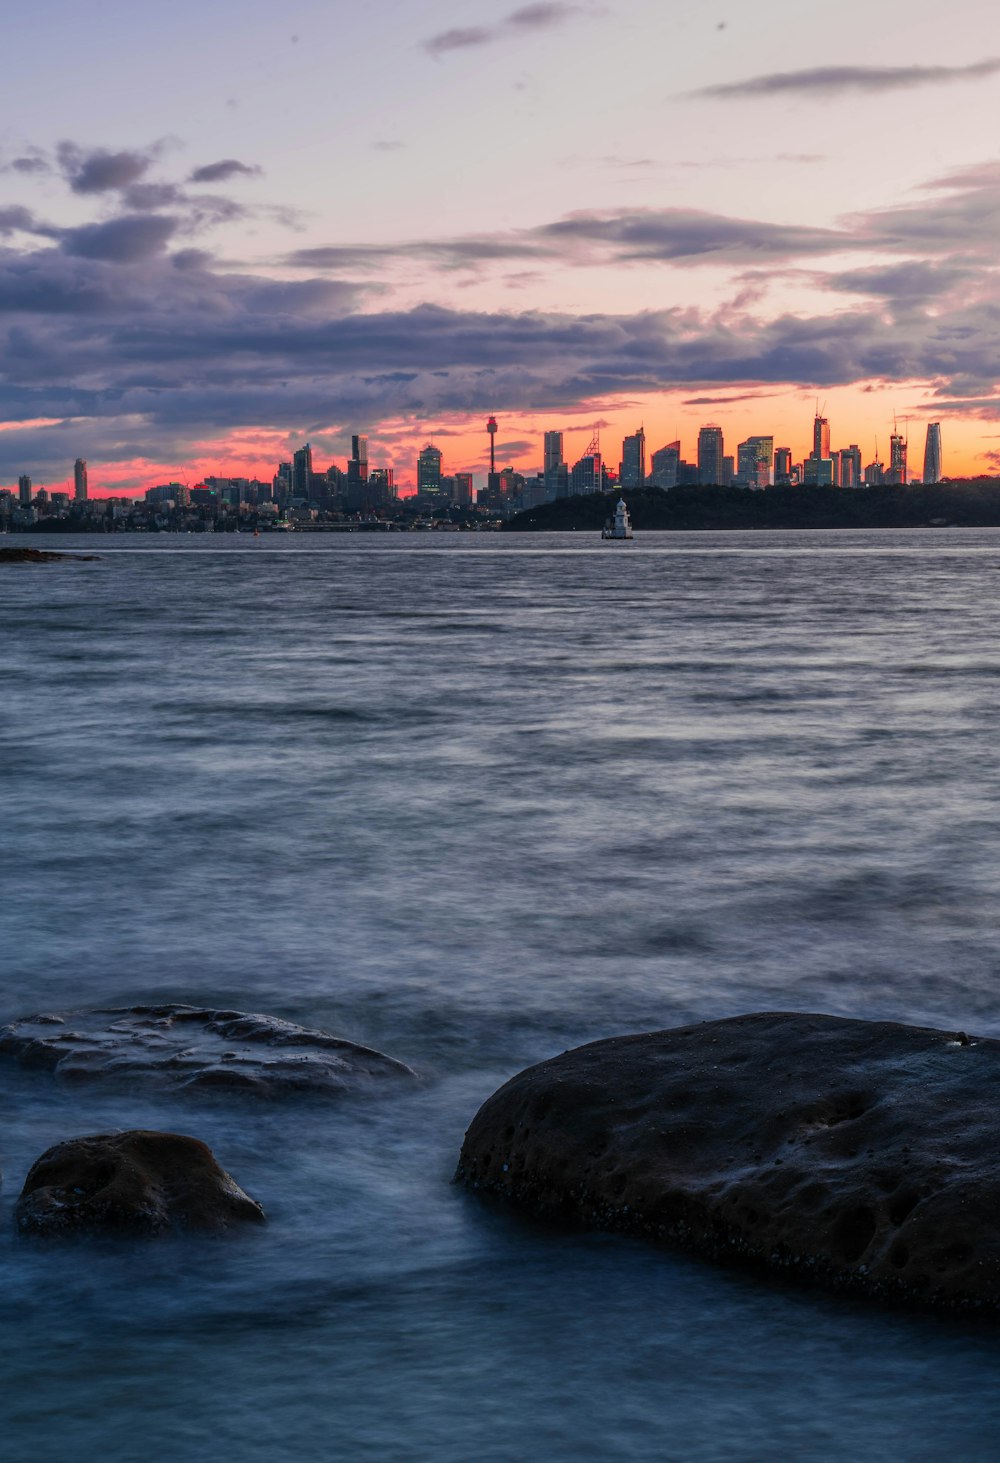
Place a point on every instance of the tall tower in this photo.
(633, 465)
(932, 454)
(897, 459)
(821, 437)
(302, 471)
(710, 454)
(80, 480)
(491, 427)
(24, 489)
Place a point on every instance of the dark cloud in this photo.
(101, 171)
(912, 281)
(676, 234)
(829, 81)
(144, 197)
(157, 358)
(15, 220)
(124, 240)
(30, 165)
(459, 38)
(222, 171)
(728, 400)
(541, 17)
(526, 18)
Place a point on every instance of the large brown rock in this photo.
(862, 1154)
(195, 1047)
(141, 1182)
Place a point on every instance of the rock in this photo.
(857, 1153)
(41, 556)
(189, 1047)
(142, 1182)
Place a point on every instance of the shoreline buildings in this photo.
(299, 489)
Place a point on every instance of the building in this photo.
(429, 470)
(710, 455)
(875, 473)
(897, 460)
(462, 492)
(302, 473)
(24, 490)
(357, 475)
(755, 462)
(587, 475)
(665, 466)
(821, 437)
(932, 454)
(80, 480)
(633, 465)
(783, 467)
(849, 475)
(379, 489)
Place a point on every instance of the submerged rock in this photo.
(41, 556)
(861, 1154)
(140, 1181)
(190, 1047)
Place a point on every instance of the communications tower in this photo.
(491, 427)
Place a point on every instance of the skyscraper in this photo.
(429, 470)
(783, 467)
(932, 454)
(821, 437)
(710, 454)
(587, 475)
(357, 475)
(633, 470)
(850, 466)
(897, 459)
(24, 489)
(302, 471)
(755, 462)
(80, 480)
(665, 466)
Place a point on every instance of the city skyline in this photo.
(633, 469)
(717, 241)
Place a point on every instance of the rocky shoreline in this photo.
(854, 1154)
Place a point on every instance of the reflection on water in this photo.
(473, 802)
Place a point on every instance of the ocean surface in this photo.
(474, 800)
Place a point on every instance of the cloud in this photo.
(32, 164)
(388, 144)
(524, 20)
(830, 81)
(223, 170)
(541, 17)
(124, 240)
(729, 400)
(101, 171)
(14, 219)
(912, 281)
(459, 38)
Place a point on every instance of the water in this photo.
(475, 800)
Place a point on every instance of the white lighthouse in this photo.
(621, 525)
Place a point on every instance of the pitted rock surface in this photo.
(860, 1154)
(189, 1047)
(140, 1182)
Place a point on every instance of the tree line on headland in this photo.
(960, 503)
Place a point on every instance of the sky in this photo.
(231, 228)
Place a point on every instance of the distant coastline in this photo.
(966, 503)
